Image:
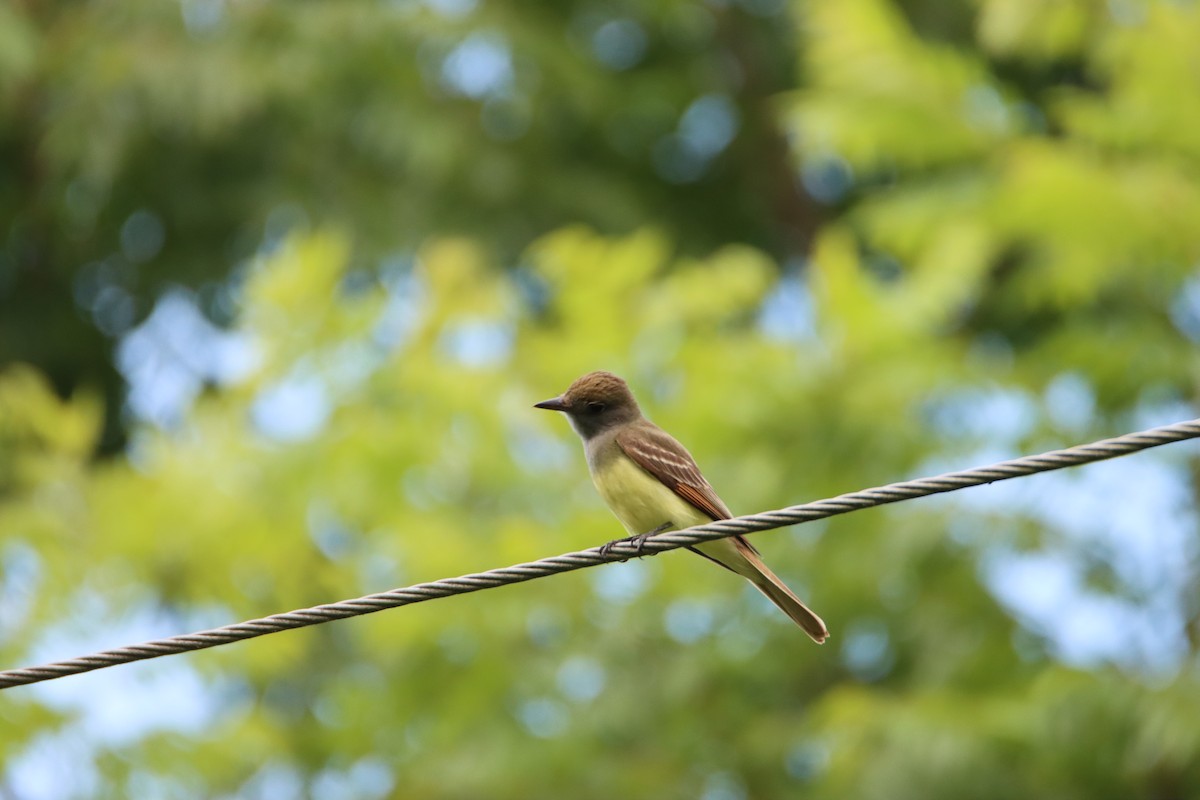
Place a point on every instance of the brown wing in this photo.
(655, 451)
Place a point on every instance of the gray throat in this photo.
(601, 447)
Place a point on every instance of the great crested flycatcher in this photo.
(652, 484)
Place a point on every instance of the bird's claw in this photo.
(637, 540)
(605, 549)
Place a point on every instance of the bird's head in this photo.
(594, 403)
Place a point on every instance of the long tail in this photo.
(737, 555)
(777, 591)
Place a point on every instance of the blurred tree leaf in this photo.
(421, 247)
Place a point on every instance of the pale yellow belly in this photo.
(640, 501)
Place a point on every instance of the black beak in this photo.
(553, 404)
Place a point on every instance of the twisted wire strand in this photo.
(568, 562)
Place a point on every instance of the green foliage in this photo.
(1064, 227)
(153, 144)
(1014, 210)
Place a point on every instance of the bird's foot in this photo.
(637, 540)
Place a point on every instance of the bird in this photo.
(652, 484)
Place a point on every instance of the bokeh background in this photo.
(279, 283)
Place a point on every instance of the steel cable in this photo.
(807, 512)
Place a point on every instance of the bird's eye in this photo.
(594, 407)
